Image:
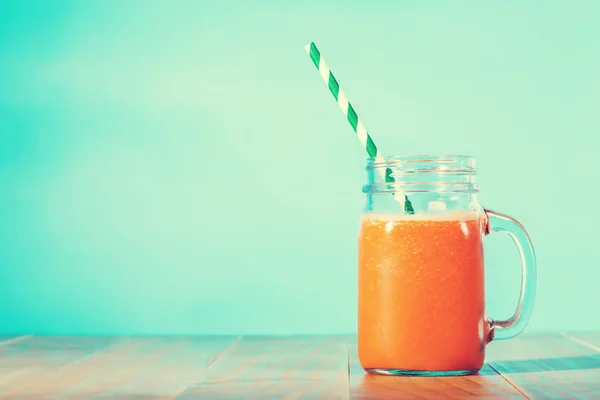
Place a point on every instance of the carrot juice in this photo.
(421, 293)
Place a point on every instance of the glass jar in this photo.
(421, 302)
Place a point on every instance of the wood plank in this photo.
(147, 367)
(548, 366)
(30, 359)
(276, 367)
(540, 366)
(159, 371)
(486, 384)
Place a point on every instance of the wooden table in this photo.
(325, 367)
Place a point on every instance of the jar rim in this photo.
(397, 160)
(421, 173)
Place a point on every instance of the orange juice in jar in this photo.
(421, 308)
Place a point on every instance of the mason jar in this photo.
(421, 301)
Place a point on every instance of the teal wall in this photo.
(182, 169)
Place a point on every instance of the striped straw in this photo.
(350, 113)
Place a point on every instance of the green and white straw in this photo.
(352, 116)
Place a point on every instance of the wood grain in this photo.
(128, 368)
(487, 384)
(589, 339)
(27, 361)
(6, 340)
(548, 366)
(536, 366)
(276, 368)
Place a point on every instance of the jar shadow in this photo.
(547, 364)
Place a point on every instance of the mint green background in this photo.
(183, 169)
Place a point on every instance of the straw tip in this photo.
(307, 47)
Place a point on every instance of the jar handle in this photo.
(511, 327)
